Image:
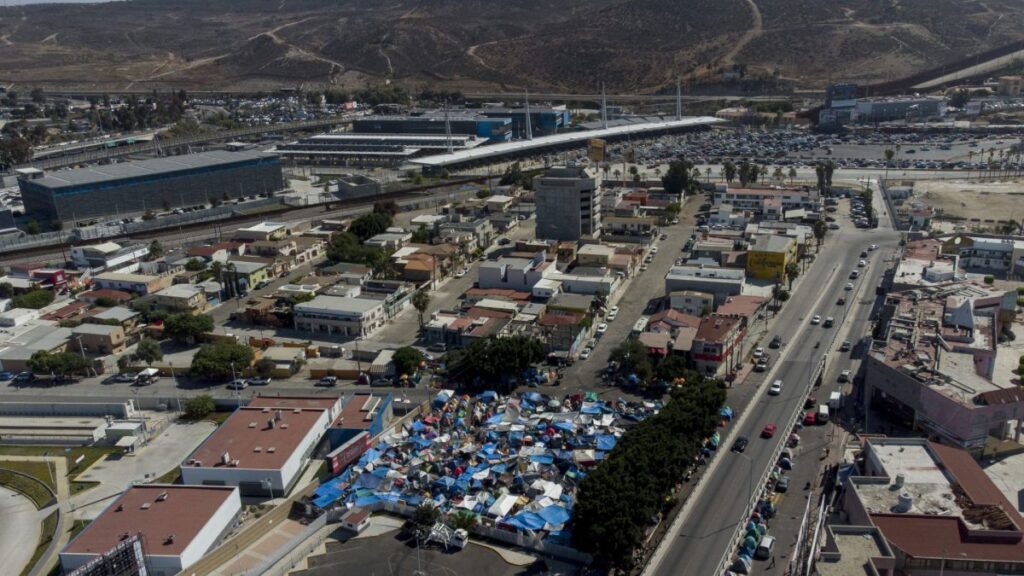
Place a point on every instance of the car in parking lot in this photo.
(815, 320)
(768, 431)
(327, 381)
(810, 418)
(259, 381)
(844, 376)
(602, 328)
(845, 346)
(238, 384)
(740, 444)
(776, 388)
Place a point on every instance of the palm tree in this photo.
(792, 174)
(792, 271)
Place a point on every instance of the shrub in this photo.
(199, 407)
(989, 279)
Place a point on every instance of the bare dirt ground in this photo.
(979, 202)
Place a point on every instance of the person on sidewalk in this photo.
(772, 563)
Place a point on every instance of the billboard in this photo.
(595, 149)
(124, 559)
(841, 95)
(348, 452)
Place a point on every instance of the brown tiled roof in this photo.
(106, 293)
(741, 305)
(1005, 396)
(675, 317)
(476, 312)
(64, 312)
(714, 328)
(184, 513)
(560, 318)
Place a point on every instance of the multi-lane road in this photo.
(702, 533)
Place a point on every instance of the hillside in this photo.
(573, 45)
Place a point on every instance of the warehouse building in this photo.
(348, 149)
(160, 183)
(493, 129)
(543, 121)
(173, 525)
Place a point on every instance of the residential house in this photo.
(100, 339)
(138, 284)
(596, 255)
(247, 272)
(519, 274)
(118, 296)
(393, 239)
(174, 299)
(108, 256)
(638, 229)
(348, 273)
(219, 252)
(126, 318)
(262, 231)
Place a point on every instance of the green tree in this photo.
(148, 351)
(6, 289)
(185, 327)
(424, 518)
(423, 235)
(265, 367)
(32, 228)
(463, 520)
(494, 363)
(195, 265)
(889, 154)
(370, 225)
(672, 210)
(35, 299)
(792, 175)
(729, 168)
(14, 150)
(407, 360)
(156, 250)
(220, 360)
(483, 193)
(420, 301)
(677, 179)
(820, 229)
(792, 271)
(57, 363)
(199, 407)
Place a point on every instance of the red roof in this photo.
(714, 328)
(356, 415)
(247, 436)
(675, 318)
(184, 513)
(745, 306)
(476, 312)
(560, 318)
(64, 312)
(106, 293)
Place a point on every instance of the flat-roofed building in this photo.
(259, 449)
(138, 186)
(262, 231)
(568, 204)
(176, 524)
(720, 282)
(101, 339)
(340, 316)
(138, 284)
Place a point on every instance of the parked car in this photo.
(585, 354)
(810, 418)
(844, 376)
(602, 328)
(5, 376)
(776, 341)
(24, 378)
(758, 352)
(437, 347)
(768, 431)
(259, 381)
(460, 273)
(782, 485)
(238, 384)
(327, 381)
(504, 241)
(381, 383)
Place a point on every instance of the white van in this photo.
(765, 548)
(147, 376)
(822, 413)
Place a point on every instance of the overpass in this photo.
(158, 143)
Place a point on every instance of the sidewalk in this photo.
(60, 477)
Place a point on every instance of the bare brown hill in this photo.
(632, 45)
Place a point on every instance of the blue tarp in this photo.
(367, 500)
(542, 458)
(488, 396)
(606, 442)
(565, 426)
(555, 514)
(370, 481)
(725, 412)
(590, 408)
(496, 419)
(534, 397)
(527, 520)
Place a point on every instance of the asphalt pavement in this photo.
(702, 533)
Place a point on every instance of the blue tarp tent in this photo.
(554, 514)
(527, 520)
(606, 442)
(542, 458)
(487, 396)
(591, 408)
(367, 500)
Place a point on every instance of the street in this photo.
(702, 533)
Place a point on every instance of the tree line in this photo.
(618, 500)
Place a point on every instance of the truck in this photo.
(835, 401)
(147, 377)
(640, 325)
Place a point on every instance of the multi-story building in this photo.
(108, 256)
(138, 284)
(176, 298)
(987, 253)
(135, 187)
(933, 364)
(692, 302)
(520, 274)
(716, 345)
(768, 256)
(100, 339)
(568, 204)
(935, 509)
(768, 202)
(888, 108)
(346, 317)
(639, 229)
(1011, 86)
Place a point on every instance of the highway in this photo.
(703, 532)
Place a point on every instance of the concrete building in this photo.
(262, 231)
(138, 186)
(636, 229)
(466, 124)
(261, 450)
(543, 121)
(716, 345)
(768, 256)
(1011, 86)
(933, 365)
(351, 149)
(520, 274)
(100, 339)
(692, 302)
(770, 202)
(108, 256)
(995, 254)
(177, 298)
(176, 525)
(937, 511)
(568, 204)
(596, 255)
(355, 317)
(923, 264)
(888, 108)
(720, 282)
(138, 284)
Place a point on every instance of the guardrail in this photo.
(737, 536)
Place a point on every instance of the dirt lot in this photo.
(978, 202)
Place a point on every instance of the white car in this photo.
(643, 268)
(654, 250)
(758, 352)
(460, 273)
(585, 354)
(611, 316)
(613, 310)
(776, 388)
(849, 286)
(602, 328)
(815, 319)
(844, 376)
(873, 247)
(862, 263)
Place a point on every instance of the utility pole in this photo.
(679, 100)
(604, 108)
(529, 123)
(447, 129)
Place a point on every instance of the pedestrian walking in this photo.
(772, 563)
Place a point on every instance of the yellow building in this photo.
(768, 256)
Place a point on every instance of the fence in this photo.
(11, 244)
(284, 558)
